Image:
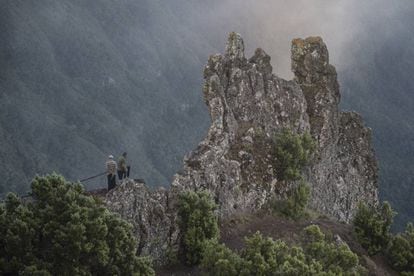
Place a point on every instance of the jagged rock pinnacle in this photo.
(310, 59)
(249, 105)
(318, 80)
(262, 60)
(235, 47)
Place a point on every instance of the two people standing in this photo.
(122, 169)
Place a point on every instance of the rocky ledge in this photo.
(248, 105)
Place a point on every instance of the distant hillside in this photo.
(80, 80)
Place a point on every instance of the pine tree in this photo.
(401, 251)
(63, 231)
(292, 152)
(372, 226)
(297, 201)
(198, 223)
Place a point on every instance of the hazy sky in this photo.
(272, 24)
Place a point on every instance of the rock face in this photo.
(248, 105)
(152, 215)
(344, 170)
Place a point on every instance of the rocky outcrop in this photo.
(152, 214)
(344, 170)
(248, 105)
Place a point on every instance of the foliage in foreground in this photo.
(62, 231)
(198, 223)
(264, 256)
(401, 251)
(372, 226)
(292, 152)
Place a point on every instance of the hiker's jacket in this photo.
(122, 164)
(110, 167)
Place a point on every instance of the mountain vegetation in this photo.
(401, 251)
(198, 224)
(60, 230)
(295, 204)
(315, 254)
(263, 256)
(372, 226)
(292, 153)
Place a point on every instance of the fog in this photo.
(272, 24)
(371, 44)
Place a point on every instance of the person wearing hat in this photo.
(111, 172)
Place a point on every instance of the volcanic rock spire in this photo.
(248, 106)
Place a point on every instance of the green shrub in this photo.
(297, 201)
(264, 256)
(198, 223)
(335, 258)
(220, 260)
(62, 231)
(291, 153)
(372, 226)
(401, 251)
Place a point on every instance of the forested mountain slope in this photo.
(83, 79)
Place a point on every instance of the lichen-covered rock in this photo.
(318, 81)
(344, 170)
(248, 105)
(151, 214)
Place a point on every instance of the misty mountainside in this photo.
(381, 89)
(80, 80)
